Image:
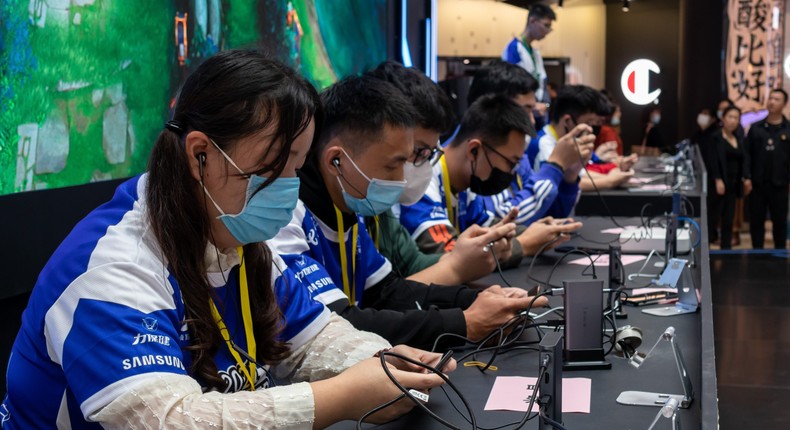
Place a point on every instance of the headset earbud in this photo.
(336, 161)
(201, 162)
(474, 151)
(627, 339)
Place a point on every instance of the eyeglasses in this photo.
(424, 153)
(513, 165)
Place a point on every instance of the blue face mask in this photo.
(264, 212)
(379, 196)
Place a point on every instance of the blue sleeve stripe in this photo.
(511, 52)
(120, 283)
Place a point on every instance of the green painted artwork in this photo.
(86, 85)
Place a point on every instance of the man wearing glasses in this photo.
(433, 116)
(521, 52)
(480, 160)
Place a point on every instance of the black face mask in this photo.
(497, 182)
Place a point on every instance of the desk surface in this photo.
(628, 201)
(658, 374)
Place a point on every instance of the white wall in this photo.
(482, 28)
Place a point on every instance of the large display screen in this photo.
(86, 85)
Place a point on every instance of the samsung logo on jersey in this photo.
(148, 338)
(320, 283)
(306, 271)
(150, 360)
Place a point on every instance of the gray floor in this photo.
(751, 309)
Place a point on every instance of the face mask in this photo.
(264, 212)
(419, 178)
(497, 182)
(719, 113)
(615, 121)
(655, 119)
(379, 196)
(703, 120)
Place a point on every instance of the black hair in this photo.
(780, 90)
(540, 11)
(577, 100)
(231, 96)
(501, 77)
(432, 106)
(604, 107)
(729, 108)
(361, 106)
(491, 118)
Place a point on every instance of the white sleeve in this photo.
(336, 348)
(177, 402)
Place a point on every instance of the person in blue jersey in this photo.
(579, 105)
(551, 190)
(480, 160)
(164, 308)
(357, 170)
(433, 116)
(521, 53)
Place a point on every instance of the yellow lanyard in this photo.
(348, 287)
(553, 133)
(518, 181)
(448, 194)
(377, 232)
(246, 314)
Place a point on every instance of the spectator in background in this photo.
(652, 141)
(521, 52)
(610, 127)
(768, 145)
(727, 170)
(707, 125)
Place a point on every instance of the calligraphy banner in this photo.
(753, 64)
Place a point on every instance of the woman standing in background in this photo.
(727, 171)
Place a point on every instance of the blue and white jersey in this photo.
(312, 250)
(535, 194)
(106, 315)
(547, 140)
(431, 209)
(516, 53)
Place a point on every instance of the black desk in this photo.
(629, 201)
(658, 374)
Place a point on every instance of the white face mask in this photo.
(417, 181)
(703, 120)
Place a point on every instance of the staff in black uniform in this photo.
(768, 144)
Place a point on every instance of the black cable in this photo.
(377, 409)
(498, 267)
(411, 397)
(597, 191)
(550, 421)
(557, 263)
(535, 257)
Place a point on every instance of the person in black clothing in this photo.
(707, 126)
(768, 144)
(727, 168)
(355, 170)
(652, 142)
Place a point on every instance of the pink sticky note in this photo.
(512, 393)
